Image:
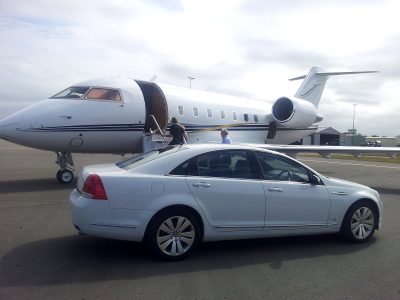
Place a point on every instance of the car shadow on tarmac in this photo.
(74, 259)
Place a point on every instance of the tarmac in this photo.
(43, 257)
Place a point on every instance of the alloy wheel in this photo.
(362, 223)
(175, 236)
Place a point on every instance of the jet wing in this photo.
(327, 151)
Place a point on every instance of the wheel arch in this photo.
(358, 201)
(193, 211)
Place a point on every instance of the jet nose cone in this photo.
(7, 129)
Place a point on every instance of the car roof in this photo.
(204, 147)
(220, 146)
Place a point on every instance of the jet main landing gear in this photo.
(65, 175)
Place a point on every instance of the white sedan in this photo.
(175, 197)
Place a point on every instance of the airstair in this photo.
(153, 140)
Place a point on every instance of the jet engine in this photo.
(294, 112)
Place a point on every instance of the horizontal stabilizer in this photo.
(332, 74)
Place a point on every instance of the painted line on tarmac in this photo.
(351, 164)
(16, 148)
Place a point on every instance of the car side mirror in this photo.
(315, 180)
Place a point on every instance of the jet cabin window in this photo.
(180, 110)
(195, 111)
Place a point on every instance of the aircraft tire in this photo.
(65, 176)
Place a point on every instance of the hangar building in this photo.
(332, 137)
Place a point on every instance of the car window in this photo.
(228, 164)
(140, 159)
(182, 169)
(276, 167)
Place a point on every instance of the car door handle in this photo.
(275, 189)
(340, 193)
(201, 184)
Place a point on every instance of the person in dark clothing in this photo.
(178, 132)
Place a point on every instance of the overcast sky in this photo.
(239, 47)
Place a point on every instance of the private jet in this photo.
(122, 115)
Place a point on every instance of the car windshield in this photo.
(140, 159)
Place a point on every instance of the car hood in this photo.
(336, 182)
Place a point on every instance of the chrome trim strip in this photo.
(273, 226)
(113, 225)
(298, 225)
(237, 227)
(340, 193)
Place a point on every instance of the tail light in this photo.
(94, 188)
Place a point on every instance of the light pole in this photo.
(354, 115)
(190, 81)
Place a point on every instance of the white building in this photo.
(386, 141)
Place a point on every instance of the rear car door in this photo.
(227, 188)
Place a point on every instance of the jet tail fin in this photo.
(314, 83)
(153, 79)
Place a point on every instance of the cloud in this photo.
(243, 48)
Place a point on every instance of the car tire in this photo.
(360, 222)
(173, 234)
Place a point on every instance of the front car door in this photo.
(293, 202)
(227, 188)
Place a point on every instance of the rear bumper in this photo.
(97, 218)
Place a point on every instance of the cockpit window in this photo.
(103, 94)
(72, 92)
(87, 92)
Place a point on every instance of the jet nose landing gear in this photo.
(65, 174)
